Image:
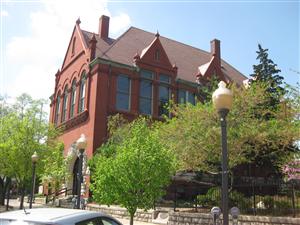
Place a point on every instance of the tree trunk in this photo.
(2, 191)
(22, 198)
(131, 218)
(4, 188)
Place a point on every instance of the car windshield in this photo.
(17, 222)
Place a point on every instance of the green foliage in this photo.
(132, 171)
(55, 171)
(205, 91)
(268, 202)
(24, 130)
(213, 198)
(193, 134)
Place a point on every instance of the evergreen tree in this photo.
(267, 72)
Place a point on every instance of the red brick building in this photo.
(134, 74)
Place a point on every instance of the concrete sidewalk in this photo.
(14, 204)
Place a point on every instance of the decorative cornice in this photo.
(188, 83)
(78, 119)
(112, 63)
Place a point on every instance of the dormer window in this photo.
(157, 55)
(73, 46)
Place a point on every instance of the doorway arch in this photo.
(75, 177)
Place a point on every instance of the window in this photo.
(73, 98)
(82, 93)
(164, 94)
(73, 46)
(146, 87)
(157, 55)
(123, 93)
(65, 103)
(57, 109)
(186, 96)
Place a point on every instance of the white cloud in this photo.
(3, 13)
(33, 59)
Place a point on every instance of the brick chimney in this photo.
(103, 27)
(215, 48)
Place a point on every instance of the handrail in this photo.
(50, 197)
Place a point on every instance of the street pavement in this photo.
(14, 205)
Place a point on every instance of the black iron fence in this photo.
(263, 196)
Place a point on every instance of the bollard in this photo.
(235, 212)
(215, 213)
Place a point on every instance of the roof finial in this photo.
(157, 34)
(78, 21)
(94, 37)
(137, 56)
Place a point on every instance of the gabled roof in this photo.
(188, 59)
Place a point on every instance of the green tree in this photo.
(266, 71)
(55, 170)
(134, 171)
(193, 134)
(24, 130)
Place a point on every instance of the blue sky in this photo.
(35, 34)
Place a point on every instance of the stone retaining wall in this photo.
(180, 218)
(119, 212)
(183, 218)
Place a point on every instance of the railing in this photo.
(52, 196)
(252, 197)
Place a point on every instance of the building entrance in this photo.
(75, 177)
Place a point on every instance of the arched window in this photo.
(57, 109)
(65, 104)
(73, 98)
(82, 93)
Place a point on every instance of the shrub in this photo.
(239, 200)
(211, 198)
(283, 205)
(268, 202)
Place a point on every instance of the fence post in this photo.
(253, 193)
(293, 199)
(175, 199)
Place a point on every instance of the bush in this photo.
(211, 198)
(283, 206)
(239, 200)
(268, 202)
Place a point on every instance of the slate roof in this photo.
(187, 58)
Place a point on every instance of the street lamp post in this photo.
(81, 145)
(34, 159)
(222, 101)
